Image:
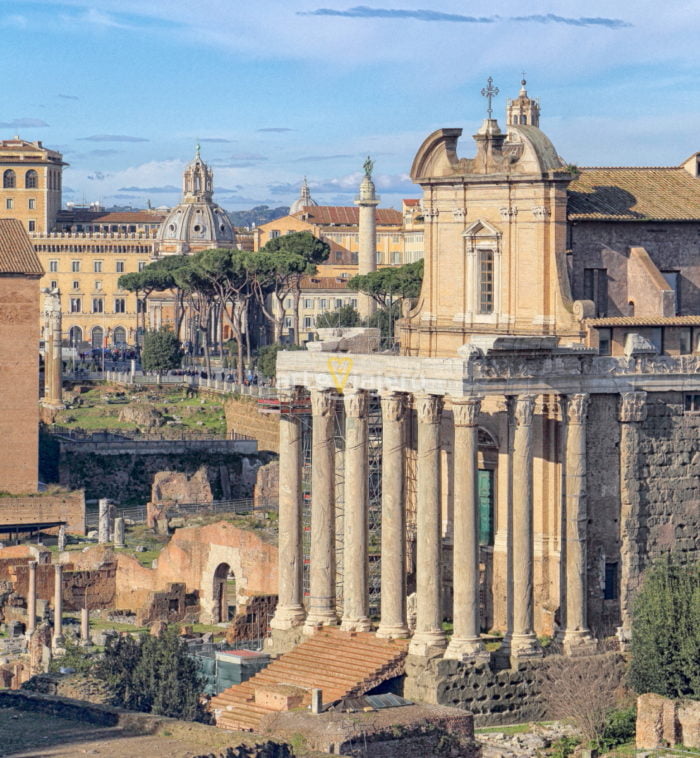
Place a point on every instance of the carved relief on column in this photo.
(632, 411)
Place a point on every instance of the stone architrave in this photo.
(31, 598)
(632, 412)
(393, 622)
(61, 538)
(290, 609)
(522, 642)
(119, 532)
(58, 605)
(576, 632)
(466, 641)
(356, 566)
(103, 525)
(429, 638)
(321, 602)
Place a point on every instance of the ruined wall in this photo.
(128, 477)
(68, 507)
(662, 722)
(243, 417)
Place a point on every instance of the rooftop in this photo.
(109, 217)
(17, 255)
(346, 215)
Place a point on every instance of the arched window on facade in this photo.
(8, 179)
(97, 336)
(75, 335)
(119, 335)
(31, 179)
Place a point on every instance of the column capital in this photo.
(632, 406)
(524, 408)
(577, 407)
(356, 402)
(465, 410)
(429, 408)
(322, 402)
(393, 406)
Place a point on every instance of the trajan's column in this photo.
(367, 257)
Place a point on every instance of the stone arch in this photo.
(9, 179)
(224, 593)
(31, 179)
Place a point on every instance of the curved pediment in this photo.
(437, 156)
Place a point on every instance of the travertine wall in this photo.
(69, 507)
(243, 417)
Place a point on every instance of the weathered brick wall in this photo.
(68, 507)
(243, 417)
(95, 586)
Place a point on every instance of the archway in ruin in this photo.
(224, 594)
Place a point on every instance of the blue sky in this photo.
(279, 89)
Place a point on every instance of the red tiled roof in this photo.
(323, 283)
(112, 217)
(644, 321)
(634, 194)
(411, 201)
(348, 215)
(17, 254)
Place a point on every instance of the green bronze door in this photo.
(485, 488)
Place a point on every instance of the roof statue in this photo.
(368, 165)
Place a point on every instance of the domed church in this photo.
(197, 223)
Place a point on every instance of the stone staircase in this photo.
(341, 664)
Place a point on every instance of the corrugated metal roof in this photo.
(645, 321)
(377, 702)
(634, 194)
(17, 254)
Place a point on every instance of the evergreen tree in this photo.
(666, 631)
(346, 315)
(161, 351)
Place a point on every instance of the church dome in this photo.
(304, 200)
(197, 222)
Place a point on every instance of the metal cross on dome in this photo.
(489, 92)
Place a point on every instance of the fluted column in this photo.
(632, 412)
(31, 598)
(321, 604)
(522, 641)
(576, 631)
(356, 567)
(393, 610)
(58, 605)
(290, 609)
(429, 638)
(466, 641)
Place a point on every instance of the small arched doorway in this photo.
(224, 594)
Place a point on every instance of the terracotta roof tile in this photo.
(346, 215)
(634, 194)
(645, 321)
(324, 283)
(17, 254)
(411, 201)
(111, 217)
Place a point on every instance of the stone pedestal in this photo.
(393, 582)
(521, 641)
(429, 638)
(31, 599)
(290, 609)
(356, 569)
(321, 602)
(119, 532)
(58, 606)
(466, 644)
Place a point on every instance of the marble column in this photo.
(61, 541)
(466, 644)
(632, 412)
(103, 521)
(119, 532)
(356, 567)
(31, 598)
(85, 626)
(321, 603)
(367, 201)
(429, 638)
(576, 633)
(290, 608)
(521, 641)
(58, 605)
(393, 582)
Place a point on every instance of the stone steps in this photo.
(339, 663)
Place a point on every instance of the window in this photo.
(307, 322)
(353, 302)
(119, 335)
(9, 204)
(308, 303)
(274, 234)
(610, 591)
(685, 342)
(98, 305)
(31, 226)
(142, 265)
(31, 204)
(140, 306)
(75, 305)
(396, 257)
(324, 303)
(8, 179)
(288, 323)
(98, 284)
(119, 305)
(54, 284)
(338, 302)
(97, 266)
(674, 281)
(53, 266)
(595, 288)
(692, 403)
(604, 341)
(486, 289)
(288, 303)
(120, 267)
(31, 179)
(75, 266)
(76, 284)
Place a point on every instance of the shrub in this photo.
(161, 351)
(619, 728)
